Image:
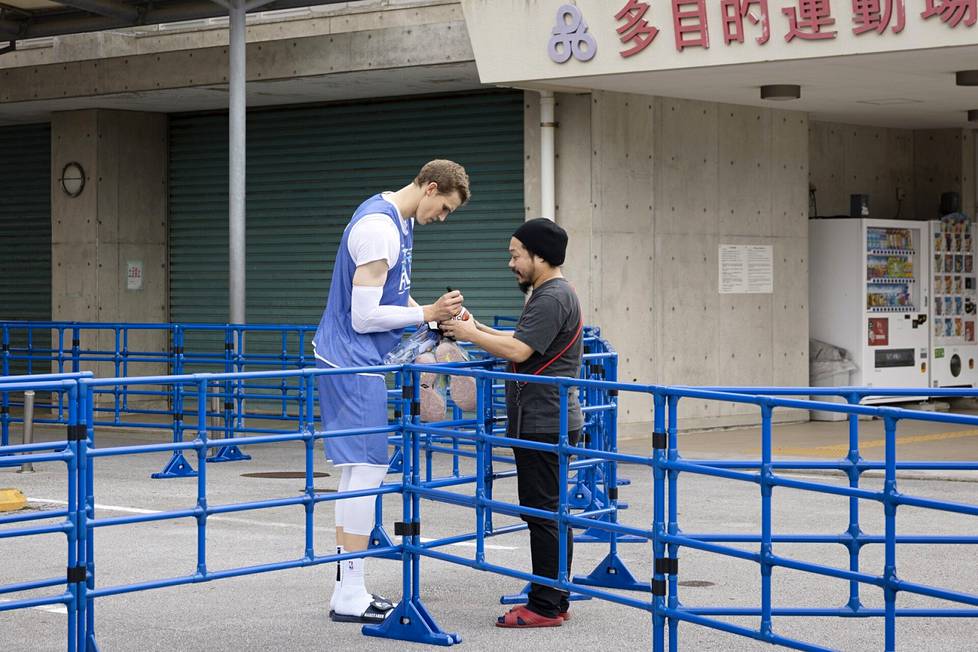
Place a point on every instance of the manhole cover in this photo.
(283, 475)
(696, 583)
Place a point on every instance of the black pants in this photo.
(539, 487)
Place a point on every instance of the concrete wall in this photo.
(648, 188)
(944, 162)
(729, 175)
(850, 159)
(120, 216)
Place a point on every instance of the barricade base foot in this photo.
(521, 598)
(612, 573)
(596, 535)
(177, 467)
(380, 539)
(91, 645)
(396, 464)
(579, 497)
(412, 622)
(229, 454)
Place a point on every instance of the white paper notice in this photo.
(746, 269)
(134, 275)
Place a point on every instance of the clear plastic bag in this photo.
(461, 388)
(421, 341)
(433, 391)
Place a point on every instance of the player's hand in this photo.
(447, 306)
(459, 330)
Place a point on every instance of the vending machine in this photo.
(869, 290)
(954, 302)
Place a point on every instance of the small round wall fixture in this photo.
(780, 92)
(966, 77)
(72, 179)
(973, 115)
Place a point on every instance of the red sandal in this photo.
(520, 616)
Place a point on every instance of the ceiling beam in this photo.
(61, 22)
(10, 28)
(107, 8)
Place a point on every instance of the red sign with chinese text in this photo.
(879, 331)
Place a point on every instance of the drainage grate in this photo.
(696, 583)
(283, 475)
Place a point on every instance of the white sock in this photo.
(352, 599)
(339, 576)
(352, 574)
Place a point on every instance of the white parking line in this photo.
(49, 608)
(244, 521)
(224, 519)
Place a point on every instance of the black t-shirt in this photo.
(549, 322)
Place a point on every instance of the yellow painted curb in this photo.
(11, 500)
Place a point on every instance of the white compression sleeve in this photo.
(371, 317)
(358, 513)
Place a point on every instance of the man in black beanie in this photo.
(547, 341)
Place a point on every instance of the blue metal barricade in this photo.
(479, 435)
(66, 521)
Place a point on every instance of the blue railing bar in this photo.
(689, 467)
(941, 505)
(462, 538)
(236, 572)
(193, 379)
(852, 492)
(143, 518)
(828, 571)
(684, 615)
(40, 378)
(48, 386)
(843, 539)
(843, 612)
(34, 516)
(529, 577)
(34, 457)
(681, 540)
(33, 586)
(64, 598)
(142, 448)
(842, 464)
(843, 392)
(934, 592)
(56, 528)
(18, 449)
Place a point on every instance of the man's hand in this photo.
(447, 306)
(458, 330)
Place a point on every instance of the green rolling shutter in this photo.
(308, 170)
(25, 234)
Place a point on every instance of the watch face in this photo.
(72, 179)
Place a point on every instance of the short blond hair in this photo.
(449, 175)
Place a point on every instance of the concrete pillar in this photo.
(119, 219)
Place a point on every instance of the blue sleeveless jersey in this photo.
(335, 341)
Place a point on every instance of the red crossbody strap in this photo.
(580, 328)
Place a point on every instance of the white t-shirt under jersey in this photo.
(375, 237)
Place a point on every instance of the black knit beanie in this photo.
(544, 238)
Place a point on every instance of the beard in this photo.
(525, 287)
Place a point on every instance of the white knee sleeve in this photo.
(358, 513)
(338, 506)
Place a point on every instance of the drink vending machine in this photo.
(954, 302)
(869, 290)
